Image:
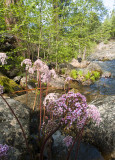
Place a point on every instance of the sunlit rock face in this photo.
(103, 137)
(104, 51)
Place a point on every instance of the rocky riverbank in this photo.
(104, 52)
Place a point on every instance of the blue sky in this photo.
(110, 4)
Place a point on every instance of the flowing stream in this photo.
(105, 86)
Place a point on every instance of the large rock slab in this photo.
(94, 67)
(58, 82)
(10, 132)
(104, 51)
(103, 136)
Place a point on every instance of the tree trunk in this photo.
(9, 19)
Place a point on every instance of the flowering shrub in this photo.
(27, 62)
(72, 110)
(3, 150)
(46, 74)
(41, 67)
(73, 105)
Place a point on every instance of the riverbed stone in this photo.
(82, 64)
(57, 82)
(10, 131)
(106, 74)
(94, 67)
(103, 136)
(17, 79)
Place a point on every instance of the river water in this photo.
(105, 86)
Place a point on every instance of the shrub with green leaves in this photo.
(92, 78)
(88, 75)
(96, 74)
(80, 72)
(73, 74)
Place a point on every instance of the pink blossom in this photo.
(38, 64)
(53, 73)
(27, 62)
(3, 58)
(50, 98)
(46, 74)
(68, 79)
(3, 150)
(31, 70)
(73, 104)
(94, 114)
(68, 140)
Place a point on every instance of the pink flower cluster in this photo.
(3, 58)
(68, 79)
(50, 98)
(94, 114)
(40, 66)
(46, 74)
(73, 108)
(3, 150)
(27, 62)
(1, 89)
(68, 140)
(73, 105)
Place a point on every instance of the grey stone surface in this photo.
(94, 67)
(104, 51)
(10, 132)
(58, 82)
(103, 136)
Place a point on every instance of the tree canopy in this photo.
(57, 30)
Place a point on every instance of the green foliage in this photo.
(62, 71)
(13, 62)
(73, 74)
(106, 41)
(80, 72)
(67, 33)
(96, 74)
(92, 78)
(88, 75)
(113, 24)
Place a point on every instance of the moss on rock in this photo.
(9, 85)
